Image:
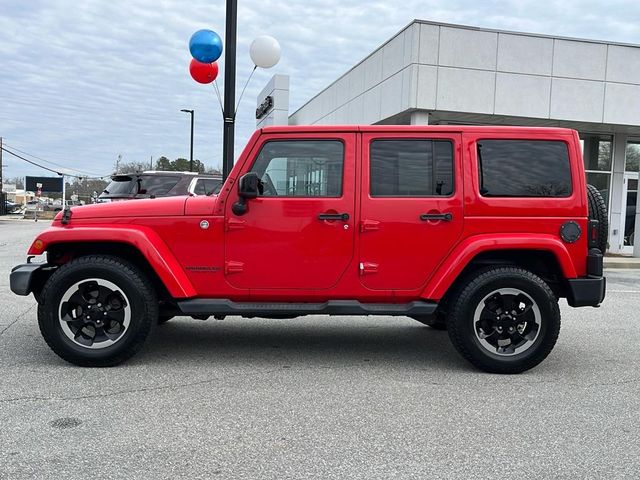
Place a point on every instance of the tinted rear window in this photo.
(524, 168)
(157, 185)
(120, 186)
(207, 186)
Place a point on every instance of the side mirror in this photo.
(249, 186)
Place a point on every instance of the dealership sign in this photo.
(264, 108)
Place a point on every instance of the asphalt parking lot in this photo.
(319, 397)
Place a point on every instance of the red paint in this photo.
(280, 251)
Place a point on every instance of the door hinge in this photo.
(233, 267)
(235, 224)
(368, 267)
(369, 225)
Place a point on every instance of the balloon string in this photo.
(215, 87)
(243, 89)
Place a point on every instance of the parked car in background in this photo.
(154, 184)
(10, 206)
(56, 205)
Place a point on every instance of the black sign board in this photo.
(264, 107)
(49, 184)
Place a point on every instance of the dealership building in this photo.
(439, 74)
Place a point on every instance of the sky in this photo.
(82, 82)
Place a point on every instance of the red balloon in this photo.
(203, 72)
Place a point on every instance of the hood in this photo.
(156, 207)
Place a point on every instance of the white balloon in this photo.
(264, 51)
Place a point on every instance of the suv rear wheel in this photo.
(504, 320)
(97, 311)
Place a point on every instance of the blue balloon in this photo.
(205, 46)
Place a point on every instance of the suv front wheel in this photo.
(504, 319)
(97, 311)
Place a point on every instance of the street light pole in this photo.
(229, 87)
(191, 150)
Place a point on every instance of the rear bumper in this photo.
(22, 277)
(588, 291)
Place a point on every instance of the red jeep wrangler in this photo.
(479, 230)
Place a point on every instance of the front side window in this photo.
(411, 168)
(524, 168)
(301, 168)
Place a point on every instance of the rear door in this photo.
(412, 207)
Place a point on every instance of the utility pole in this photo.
(151, 163)
(118, 163)
(229, 87)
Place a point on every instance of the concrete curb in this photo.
(622, 262)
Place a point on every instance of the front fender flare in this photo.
(448, 271)
(144, 239)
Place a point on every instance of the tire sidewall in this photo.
(70, 274)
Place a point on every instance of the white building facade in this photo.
(432, 73)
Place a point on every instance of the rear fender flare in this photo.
(448, 271)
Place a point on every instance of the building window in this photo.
(524, 168)
(301, 168)
(632, 156)
(411, 168)
(597, 151)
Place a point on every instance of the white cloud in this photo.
(81, 82)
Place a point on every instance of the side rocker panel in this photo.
(463, 254)
(144, 239)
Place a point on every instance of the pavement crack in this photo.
(16, 319)
(125, 392)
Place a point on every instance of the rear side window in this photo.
(524, 168)
(207, 186)
(156, 184)
(411, 168)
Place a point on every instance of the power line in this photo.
(49, 161)
(50, 169)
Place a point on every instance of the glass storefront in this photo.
(598, 154)
(630, 192)
(632, 156)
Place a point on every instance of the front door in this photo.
(629, 206)
(412, 213)
(298, 233)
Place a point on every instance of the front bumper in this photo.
(23, 277)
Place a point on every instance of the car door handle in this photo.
(447, 217)
(334, 216)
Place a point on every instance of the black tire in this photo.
(598, 211)
(142, 309)
(476, 290)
